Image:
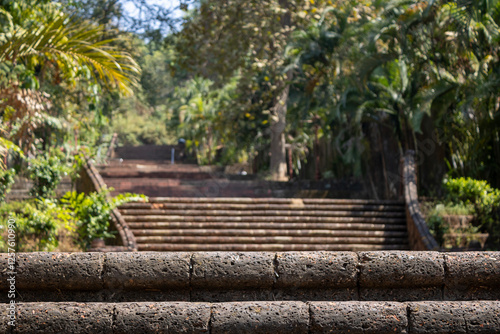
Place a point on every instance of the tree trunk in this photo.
(278, 153)
(278, 123)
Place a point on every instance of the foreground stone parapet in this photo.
(472, 275)
(401, 276)
(255, 276)
(358, 317)
(258, 317)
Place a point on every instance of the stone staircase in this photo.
(266, 224)
(199, 208)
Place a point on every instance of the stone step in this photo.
(110, 175)
(266, 240)
(269, 214)
(148, 208)
(295, 317)
(268, 247)
(158, 187)
(245, 200)
(267, 219)
(268, 225)
(171, 187)
(269, 232)
(119, 163)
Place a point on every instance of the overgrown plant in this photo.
(38, 224)
(6, 182)
(437, 227)
(92, 213)
(484, 199)
(46, 173)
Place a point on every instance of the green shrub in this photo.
(6, 182)
(46, 173)
(79, 218)
(37, 224)
(437, 227)
(92, 213)
(483, 198)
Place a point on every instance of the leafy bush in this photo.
(38, 223)
(46, 173)
(435, 211)
(6, 181)
(437, 227)
(92, 213)
(483, 198)
(42, 224)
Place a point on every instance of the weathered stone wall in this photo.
(254, 276)
(257, 317)
(419, 235)
(220, 292)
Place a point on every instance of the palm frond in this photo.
(79, 43)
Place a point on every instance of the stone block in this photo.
(472, 276)
(358, 317)
(7, 314)
(51, 318)
(59, 271)
(482, 317)
(147, 270)
(397, 269)
(437, 317)
(260, 317)
(229, 270)
(316, 269)
(162, 318)
(455, 317)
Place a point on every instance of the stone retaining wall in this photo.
(419, 235)
(257, 317)
(254, 276)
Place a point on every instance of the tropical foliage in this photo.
(44, 51)
(336, 89)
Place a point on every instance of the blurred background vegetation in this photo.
(327, 89)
